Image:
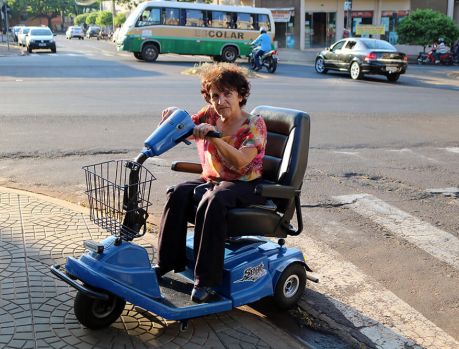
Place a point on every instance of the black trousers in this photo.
(210, 226)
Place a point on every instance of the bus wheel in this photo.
(138, 55)
(150, 52)
(229, 54)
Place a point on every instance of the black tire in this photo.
(393, 77)
(96, 314)
(53, 50)
(138, 55)
(29, 49)
(150, 53)
(252, 64)
(229, 54)
(290, 286)
(319, 66)
(272, 65)
(355, 71)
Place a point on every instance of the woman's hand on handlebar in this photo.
(201, 130)
(166, 113)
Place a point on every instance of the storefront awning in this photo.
(282, 14)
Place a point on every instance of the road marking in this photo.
(374, 311)
(451, 191)
(350, 153)
(406, 150)
(438, 243)
(452, 149)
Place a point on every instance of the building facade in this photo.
(318, 23)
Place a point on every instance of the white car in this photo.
(22, 34)
(74, 32)
(40, 38)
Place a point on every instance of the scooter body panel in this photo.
(252, 268)
(126, 263)
(124, 271)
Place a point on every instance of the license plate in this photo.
(41, 44)
(391, 69)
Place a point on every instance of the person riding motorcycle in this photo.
(264, 42)
(440, 49)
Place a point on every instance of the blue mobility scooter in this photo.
(116, 270)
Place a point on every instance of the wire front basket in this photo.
(119, 197)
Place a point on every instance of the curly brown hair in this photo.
(225, 77)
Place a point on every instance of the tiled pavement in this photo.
(36, 309)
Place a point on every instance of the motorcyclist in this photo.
(440, 49)
(264, 45)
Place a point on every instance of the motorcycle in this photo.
(430, 58)
(269, 60)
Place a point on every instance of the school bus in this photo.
(221, 32)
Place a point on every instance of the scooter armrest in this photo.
(183, 166)
(276, 191)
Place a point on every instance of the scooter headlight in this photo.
(93, 246)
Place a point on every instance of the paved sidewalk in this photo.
(12, 50)
(36, 309)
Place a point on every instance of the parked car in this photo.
(15, 31)
(74, 32)
(360, 56)
(40, 38)
(92, 32)
(22, 35)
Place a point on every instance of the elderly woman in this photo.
(232, 167)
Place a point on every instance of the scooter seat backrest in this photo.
(287, 148)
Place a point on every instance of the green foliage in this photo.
(91, 18)
(80, 19)
(424, 26)
(120, 18)
(104, 18)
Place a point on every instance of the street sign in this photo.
(368, 29)
(348, 5)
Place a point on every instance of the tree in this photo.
(91, 18)
(425, 26)
(120, 18)
(49, 9)
(80, 19)
(104, 18)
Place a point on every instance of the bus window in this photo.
(218, 19)
(151, 16)
(172, 16)
(231, 20)
(244, 21)
(194, 18)
(263, 21)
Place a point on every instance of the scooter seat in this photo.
(284, 166)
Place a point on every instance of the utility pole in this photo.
(113, 15)
(348, 9)
(5, 11)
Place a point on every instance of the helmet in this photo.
(262, 30)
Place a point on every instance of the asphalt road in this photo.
(380, 196)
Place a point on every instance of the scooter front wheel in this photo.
(290, 286)
(95, 313)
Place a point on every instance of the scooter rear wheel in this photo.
(95, 313)
(290, 286)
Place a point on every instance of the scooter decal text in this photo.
(253, 273)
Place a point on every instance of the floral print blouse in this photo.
(252, 134)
